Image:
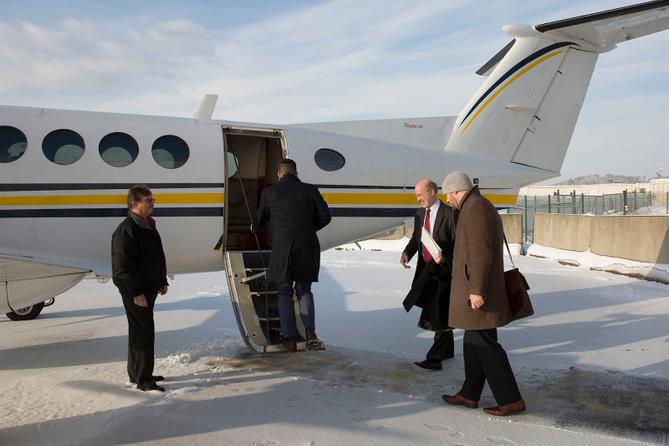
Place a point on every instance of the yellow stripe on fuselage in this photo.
(506, 84)
(336, 199)
(399, 199)
(90, 200)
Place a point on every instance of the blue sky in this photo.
(300, 61)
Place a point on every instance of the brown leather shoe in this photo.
(459, 400)
(290, 346)
(311, 335)
(506, 409)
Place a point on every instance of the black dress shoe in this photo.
(151, 385)
(154, 378)
(430, 365)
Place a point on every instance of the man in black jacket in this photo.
(431, 285)
(295, 211)
(139, 272)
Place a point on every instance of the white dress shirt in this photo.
(433, 216)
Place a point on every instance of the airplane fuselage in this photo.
(65, 213)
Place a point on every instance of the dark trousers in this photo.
(442, 348)
(287, 310)
(485, 360)
(141, 339)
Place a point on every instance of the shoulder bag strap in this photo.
(508, 250)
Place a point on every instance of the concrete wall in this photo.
(641, 238)
(513, 227)
(561, 231)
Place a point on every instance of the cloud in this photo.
(337, 60)
(83, 57)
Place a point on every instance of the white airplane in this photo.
(64, 174)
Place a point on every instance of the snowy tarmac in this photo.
(592, 364)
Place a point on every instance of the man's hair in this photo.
(287, 166)
(432, 186)
(136, 193)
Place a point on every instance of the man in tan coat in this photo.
(478, 299)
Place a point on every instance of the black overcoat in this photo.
(138, 260)
(431, 286)
(294, 211)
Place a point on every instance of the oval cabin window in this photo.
(329, 160)
(13, 144)
(118, 149)
(170, 151)
(63, 146)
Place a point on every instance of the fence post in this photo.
(549, 203)
(582, 203)
(635, 205)
(525, 227)
(573, 202)
(625, 202)
(557, 198)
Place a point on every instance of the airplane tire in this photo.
(26, 313)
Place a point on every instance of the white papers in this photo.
(427, 241)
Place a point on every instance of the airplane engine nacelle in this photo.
(24, 286)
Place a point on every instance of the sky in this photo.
(311, 61)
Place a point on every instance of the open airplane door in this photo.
(251, 157)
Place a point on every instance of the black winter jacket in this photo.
(138, 260)
(294, 211)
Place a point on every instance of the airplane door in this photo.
(251, 158)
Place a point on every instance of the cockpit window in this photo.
(118, 149)
(63, 146)
(13, 144)
(170, 151)
(329, 160)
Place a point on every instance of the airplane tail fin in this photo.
(527, 108)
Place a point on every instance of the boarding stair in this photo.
(255, 303)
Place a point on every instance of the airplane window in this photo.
(329, 160)
(170, 151)
(13, 144)
(118, 149)
(63, 146)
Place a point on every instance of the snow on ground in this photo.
(592, 365)
(585, 259)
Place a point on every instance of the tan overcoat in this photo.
(478, 266)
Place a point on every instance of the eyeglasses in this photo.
(148, 200)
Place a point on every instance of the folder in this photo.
(429, 243)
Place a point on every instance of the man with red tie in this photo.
(431, 285)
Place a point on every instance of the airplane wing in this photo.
(25, 282)
(607, 28)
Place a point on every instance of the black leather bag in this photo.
(516, 291)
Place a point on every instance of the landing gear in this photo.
(28, 313)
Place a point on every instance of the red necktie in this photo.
(426, 254)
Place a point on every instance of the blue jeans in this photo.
(287, 310)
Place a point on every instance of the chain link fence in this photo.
(625, 203)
